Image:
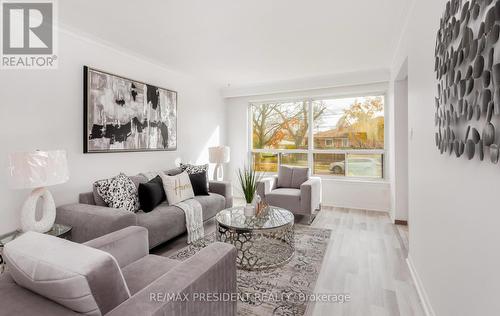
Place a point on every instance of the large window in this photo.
(335, 137)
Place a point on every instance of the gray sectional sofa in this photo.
(117, 278)
(91, 218)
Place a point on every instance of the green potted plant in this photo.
(248, 181)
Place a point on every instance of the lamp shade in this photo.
(219, 154)
(38, 169)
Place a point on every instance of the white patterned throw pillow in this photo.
(119, 192)
(192, 169)
(177, 188)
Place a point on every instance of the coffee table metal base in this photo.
(259, 249)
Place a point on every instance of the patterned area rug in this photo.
(280, 291)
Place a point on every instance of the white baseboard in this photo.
(355, 207)
(422, 294)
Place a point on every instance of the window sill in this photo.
(338, 179)
(354, 180)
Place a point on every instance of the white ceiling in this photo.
(242, 42)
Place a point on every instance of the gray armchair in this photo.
(113, 275)
(293, 190)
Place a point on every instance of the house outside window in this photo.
(348, 136)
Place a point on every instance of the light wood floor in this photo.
(365, 259)
(404, 234)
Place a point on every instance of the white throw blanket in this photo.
(192, 210)
(194, 219)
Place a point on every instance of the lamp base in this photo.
(218, 172)
(28, 213)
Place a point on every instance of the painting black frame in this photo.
(86, 91)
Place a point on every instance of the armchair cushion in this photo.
(211, 270)
(16, 300)
(299, 176)
(145, 271)
(81, 278)
(292, 177)
(284, 177)
(287, 198)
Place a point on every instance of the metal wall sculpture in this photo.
(468, 76)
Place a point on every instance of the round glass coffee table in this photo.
(263, 242)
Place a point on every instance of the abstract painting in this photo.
(122, 115)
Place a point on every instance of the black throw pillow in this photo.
(151, 194)
(199, 183)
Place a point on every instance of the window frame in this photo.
(310, 151)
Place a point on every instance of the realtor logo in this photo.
(28, 40)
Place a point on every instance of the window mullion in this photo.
(346, 159)
(310, 143)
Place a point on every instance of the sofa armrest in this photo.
(266, 185)
(86, 198)
(223, 188)
(210, 272)
(310, 195)
(126, 245)
(91, 221)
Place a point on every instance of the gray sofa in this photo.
(55, 284)
(91, 218)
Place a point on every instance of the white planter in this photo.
(249, 210)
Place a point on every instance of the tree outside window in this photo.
(340, 129)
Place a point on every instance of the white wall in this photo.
(342, 193)
(398, 124)
(401, 149)
(453, 203)
(43, 110)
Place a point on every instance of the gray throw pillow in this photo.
(292, 177)
(97, 198)
(173, 172)
(138, 179)
(299, 176)
(285, 177)
(118, 192)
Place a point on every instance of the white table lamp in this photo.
(38, 170)
(218, 155)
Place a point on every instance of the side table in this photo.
(58, 230)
